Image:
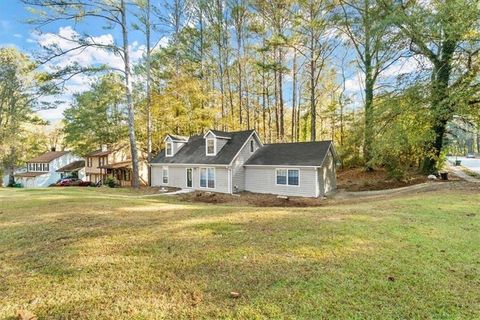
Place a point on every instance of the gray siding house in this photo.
(231, 162)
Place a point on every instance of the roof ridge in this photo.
(299, 142)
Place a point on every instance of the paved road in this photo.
(472, 164)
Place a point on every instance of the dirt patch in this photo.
(251, 199)
(266, 200)
(357, 179)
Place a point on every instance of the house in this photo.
(41, 171)
(76, 170)
(114, 162)
(230, 162)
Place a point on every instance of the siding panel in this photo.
(262, 180)
(177, 177)
(238, 170)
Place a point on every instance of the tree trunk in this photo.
(149, 97)
(367, 146)
(277, 127)
(441, 107)
(264, 104)
(128, 94)
(297, 134)
(313, 102)
(294, 93)
(239, 65)
(280, 92)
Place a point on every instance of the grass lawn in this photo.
(71, 253)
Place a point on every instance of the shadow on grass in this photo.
(149, 258)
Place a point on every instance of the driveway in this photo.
(469, 163)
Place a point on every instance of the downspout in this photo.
(230, 187)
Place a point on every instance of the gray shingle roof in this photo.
(73, 166)
(193, 152)
(223, 134)
(291, 154)
(175, 137)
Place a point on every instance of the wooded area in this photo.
(284, 68)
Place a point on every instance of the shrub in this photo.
(111, 182)
(15, 185)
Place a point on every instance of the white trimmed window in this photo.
(169, 149)
(210, 146)
(207, 178)
(288, 177)
(165, 175)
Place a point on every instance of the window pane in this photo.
(210, 146)
(252, 146)
(169, 149)
(165, 175)
(203, 178)
(211, 178)
(293, 177)
(281, 176)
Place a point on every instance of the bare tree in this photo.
(114, 15)
(316, 46)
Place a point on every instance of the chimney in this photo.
(53, 149)
(104, 148)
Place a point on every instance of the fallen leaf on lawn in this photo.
(26, 315)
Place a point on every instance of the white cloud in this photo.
(85, 57)
(404, 66)
(355, 83)
(9, 45)
(17, 35)
(60, 102)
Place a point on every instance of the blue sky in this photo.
(12, 30)
(16, 32)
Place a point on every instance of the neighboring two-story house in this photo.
(115, 162)
(42, 170)
(230, 162)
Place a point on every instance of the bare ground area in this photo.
(269, 200)
(357, 179)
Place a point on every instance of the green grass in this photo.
(90, 254)
(471, 173)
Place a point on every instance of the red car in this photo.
(68, 182)
(72, 182)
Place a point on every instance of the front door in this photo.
(189, 178)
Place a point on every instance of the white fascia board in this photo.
(279, 166)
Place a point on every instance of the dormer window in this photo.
(169, 149)
(210, 145)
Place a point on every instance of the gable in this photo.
(193, 152)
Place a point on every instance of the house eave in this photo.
(226, 165)
(210, 131)
(282, 166)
